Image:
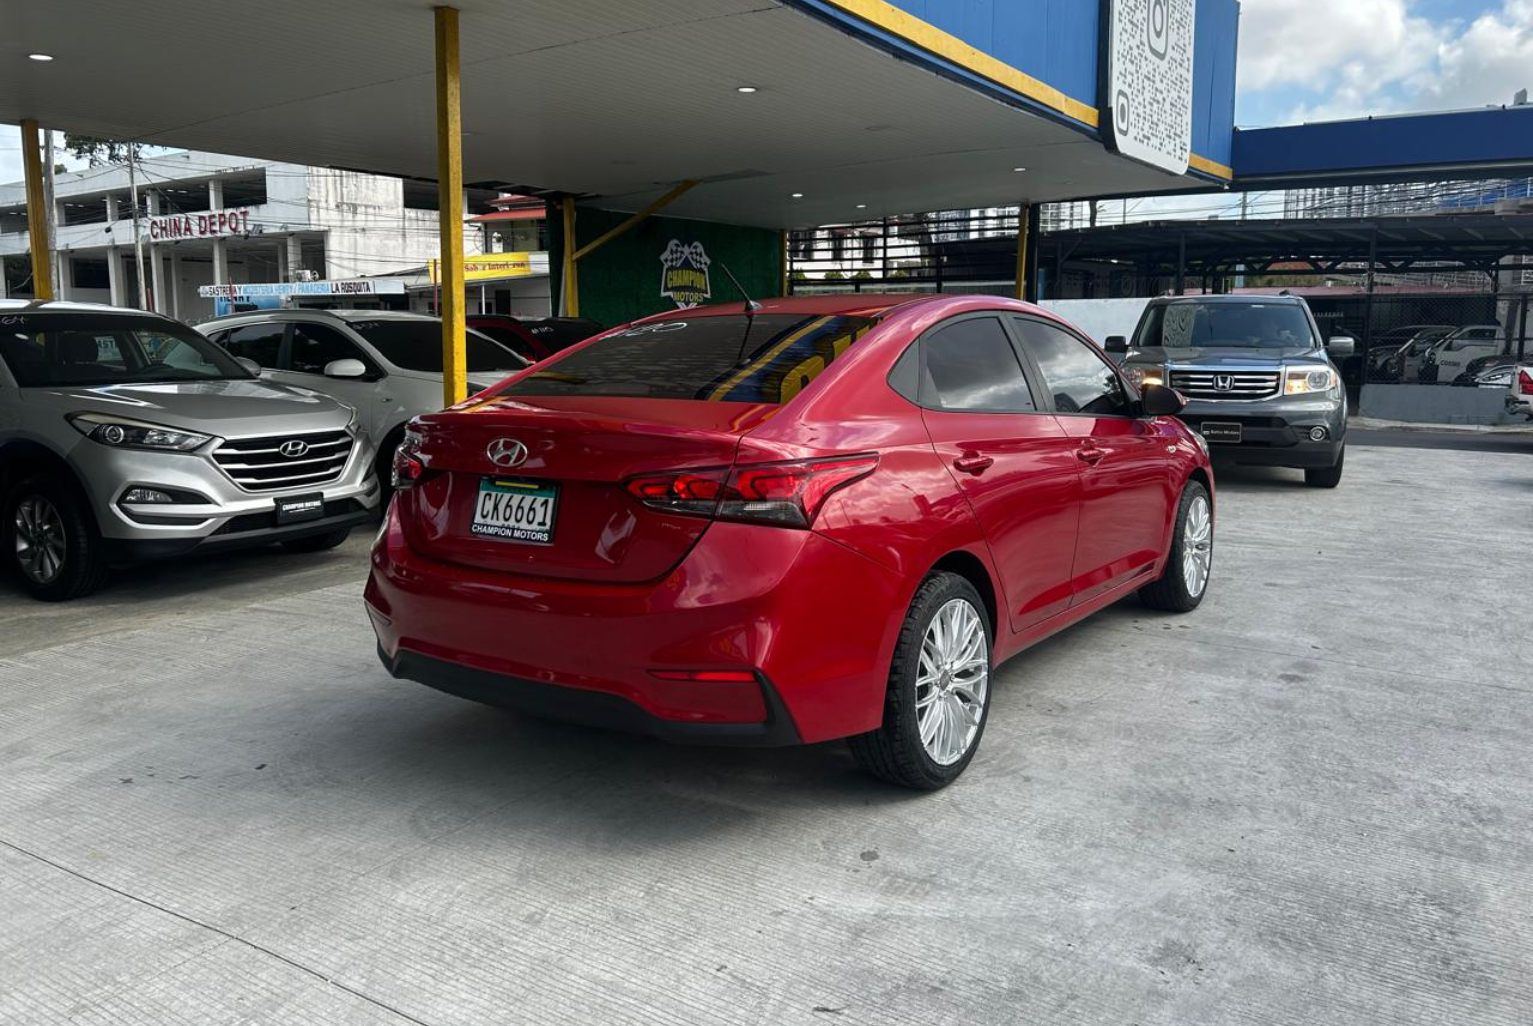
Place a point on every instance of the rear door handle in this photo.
(1091, 455)
(973, 464)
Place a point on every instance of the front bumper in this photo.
(1275, 432)
(812, 620)
(1519, 405)
(229, 517)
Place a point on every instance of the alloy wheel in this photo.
(1197, 546)
(40, 539)
(952, 681)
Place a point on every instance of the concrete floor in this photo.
(1308, 802)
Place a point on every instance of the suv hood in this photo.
(1223, 356)
(223, 408)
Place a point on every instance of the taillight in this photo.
(787, 494)
(407, 466)
(1524, 382)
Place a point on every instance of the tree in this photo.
(97, 151)
(834, 276)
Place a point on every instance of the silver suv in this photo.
(386, 364)
(127, 436)
(1259, 382)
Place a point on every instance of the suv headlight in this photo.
(1304, 381)
(122, 433)
(1142, 376)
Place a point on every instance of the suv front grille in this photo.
(259, 465)
(1227, 385)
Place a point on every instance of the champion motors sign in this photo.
(206, 224)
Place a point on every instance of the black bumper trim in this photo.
(135, 550)
(589, 708)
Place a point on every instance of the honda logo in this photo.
(506, 452)
(293, 448)
(1224, 382)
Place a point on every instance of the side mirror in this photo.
(1341, 345)
(1116, 344)
(345, 369)
(1160, 401)
(249, 364)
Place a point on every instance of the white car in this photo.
(1452, 354)
(1519, 395)
(386, 364)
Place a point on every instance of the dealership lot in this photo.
(1304, 802)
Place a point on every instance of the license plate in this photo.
(1216, 432)
(516, 511)
(295, 509)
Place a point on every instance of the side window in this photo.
(971, 365)
(1079, 380)
(510, 339)
(258, 342)
(317, 345)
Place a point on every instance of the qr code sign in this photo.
(1150, 81)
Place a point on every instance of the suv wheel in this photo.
(939, 689)
(1184, 582)
(1326, 477)
(50, 536)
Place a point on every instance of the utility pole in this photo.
(138, 242)
(51, 208)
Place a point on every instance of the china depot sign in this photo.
(206, 224)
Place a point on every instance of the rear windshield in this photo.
(768, 358)
(417, 345)
(56, 349)
(1233, 325)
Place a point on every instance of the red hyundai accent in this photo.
(820, 518)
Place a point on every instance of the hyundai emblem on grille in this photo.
(293, 448)
(506, 452)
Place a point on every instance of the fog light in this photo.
(142, 496)
(1317, 434)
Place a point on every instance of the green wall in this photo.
(622, 280)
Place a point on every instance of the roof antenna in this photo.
(751, 306)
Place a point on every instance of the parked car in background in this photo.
(126, 436)
(1483, 371)
(1390, 352)
(808, 519)
(388, 365)
(1259, 383)
(534, 338)
(1448, 358)
(1519, 394)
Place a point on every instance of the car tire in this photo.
(953, 704)
(383, 461)
(51, 539)
(1326, 477)
(317, 542)
(1189, 566)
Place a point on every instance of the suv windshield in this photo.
(1230, 325)
(58, 349)
(768, 358)
(417, 345)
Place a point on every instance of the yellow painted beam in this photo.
(1210, 167)
(570, 278)
(1024, 214)
(628, 225)
(449, 162)
(37, 213)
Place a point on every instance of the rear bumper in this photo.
(591, 708)
(814, 621)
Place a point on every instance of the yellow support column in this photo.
(571, 283)
(1024, 213)
(37, 213)
(449, 160)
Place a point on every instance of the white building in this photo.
(208, 219)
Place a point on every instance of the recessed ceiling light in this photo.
(745, 89)
(1019, 169)
(862, 206)
(40, 56)
(798, 195)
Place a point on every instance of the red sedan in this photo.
(819, 518)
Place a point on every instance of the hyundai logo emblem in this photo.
(506, 452)
(293, 448)
(1224, 382)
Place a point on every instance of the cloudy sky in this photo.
(1318, 59)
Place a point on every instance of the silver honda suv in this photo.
(127, 436)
